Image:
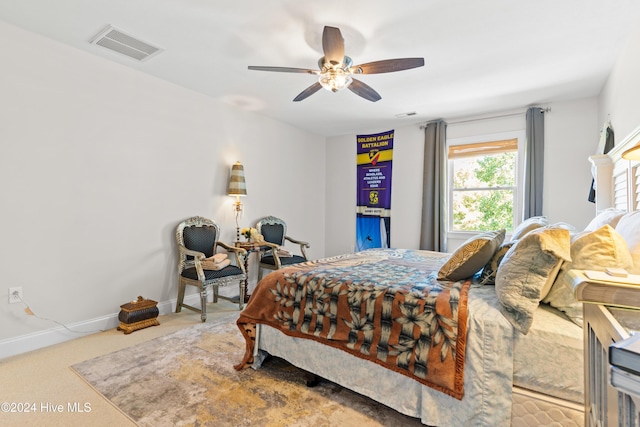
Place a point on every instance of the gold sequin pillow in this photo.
(471, 256)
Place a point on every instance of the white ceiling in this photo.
(480, 56)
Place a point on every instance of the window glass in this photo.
(483, 185)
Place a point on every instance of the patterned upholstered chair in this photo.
(197, 239)
(274, 231)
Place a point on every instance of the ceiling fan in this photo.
(336, 69)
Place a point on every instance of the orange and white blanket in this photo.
(385, 306)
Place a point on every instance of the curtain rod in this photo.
(499, 116)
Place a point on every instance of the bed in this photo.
(483, 336)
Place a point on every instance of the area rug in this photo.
(187, 378)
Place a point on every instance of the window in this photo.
(485, 182)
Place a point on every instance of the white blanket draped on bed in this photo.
(487, 377)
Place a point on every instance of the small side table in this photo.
(250, 247)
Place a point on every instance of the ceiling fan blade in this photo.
(333, 45)
(308, 92)
(284, 69)
(387, 66)
(364, 91)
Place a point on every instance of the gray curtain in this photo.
(534, 168)
(432, 233)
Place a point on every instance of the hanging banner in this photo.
(373, 217)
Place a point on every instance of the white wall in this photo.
(619, 98)
(572, 132)
(408, 149)
(98, 164)
(571, 135)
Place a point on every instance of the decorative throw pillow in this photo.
(488, 275)
(629, 229)
(527, 269)
(609, 216)
(528, 225)
(594, 250)
(469, 258)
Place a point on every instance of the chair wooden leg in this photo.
(203, 301)
(215, 293)
(241, 295)
(181, 288)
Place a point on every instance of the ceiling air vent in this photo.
(401, 115)
(116, 40)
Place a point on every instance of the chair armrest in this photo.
(270, 245)
(302, 244)
(195, 254)
(197, 259)
(297, 242)
(238, 252)
(266, 247)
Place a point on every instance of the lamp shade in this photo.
(632, 153)
(237, 184)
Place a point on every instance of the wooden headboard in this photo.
(617, 180)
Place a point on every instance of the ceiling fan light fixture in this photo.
(334, 79)
(336, 69)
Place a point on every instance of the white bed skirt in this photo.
(490, 400)
(488, 372)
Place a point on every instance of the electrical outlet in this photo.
(15, 295)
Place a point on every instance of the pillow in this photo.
(488, 275)
(594, 250)
(528, 225)
(566, 225)
(528, 270)
(629, 229)
(609, 216)
(469, 258)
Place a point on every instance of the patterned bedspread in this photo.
(385, 306)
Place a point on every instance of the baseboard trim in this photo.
(36, 340)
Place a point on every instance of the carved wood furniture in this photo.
(250, 247)
(274, 231)
(197, 239)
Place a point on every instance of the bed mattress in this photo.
(532, 409)
(553, 369)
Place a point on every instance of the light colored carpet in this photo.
(43, 377)
(187, 378)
